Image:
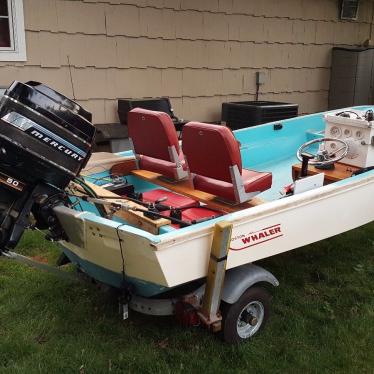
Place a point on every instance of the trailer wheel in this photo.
(243, 319)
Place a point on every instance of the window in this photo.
(349, 10)
(12, 31)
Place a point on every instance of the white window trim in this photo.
(17, 23)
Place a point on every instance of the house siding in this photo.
(200, 53)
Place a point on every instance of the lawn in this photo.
(322, 320)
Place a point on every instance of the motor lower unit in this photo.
(45, 140)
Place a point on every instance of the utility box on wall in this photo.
(352, 74)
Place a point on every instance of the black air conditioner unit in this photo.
(349, 10)
(241, 114)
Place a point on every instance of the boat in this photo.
(143, 221)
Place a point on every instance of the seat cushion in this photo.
(199, 214)
(165, 168)
(195, 215)
(174, 200)
(253, 181)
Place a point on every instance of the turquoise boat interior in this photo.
(270, 147)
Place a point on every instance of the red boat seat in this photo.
(213, 157)
(155, 143)
(195, 215)
(173, 200)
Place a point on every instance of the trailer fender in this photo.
(239, 279)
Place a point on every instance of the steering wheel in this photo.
(324, 157)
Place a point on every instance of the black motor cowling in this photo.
(45, 141)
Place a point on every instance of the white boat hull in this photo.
(260, 232)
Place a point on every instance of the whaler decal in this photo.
(243, 241)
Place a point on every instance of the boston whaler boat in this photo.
(176, 225)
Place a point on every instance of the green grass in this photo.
(322, 321)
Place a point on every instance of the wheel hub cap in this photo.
(250, 319)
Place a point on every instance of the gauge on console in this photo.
(333, 146)
(335, 132)
(347, 133)
(359, 134)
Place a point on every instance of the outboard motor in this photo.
(45, 141)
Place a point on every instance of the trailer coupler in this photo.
(39, 265)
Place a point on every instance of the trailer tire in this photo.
(243, 319)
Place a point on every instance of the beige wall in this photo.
(199, 52)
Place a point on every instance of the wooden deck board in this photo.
(186, 188)
(341, 171)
